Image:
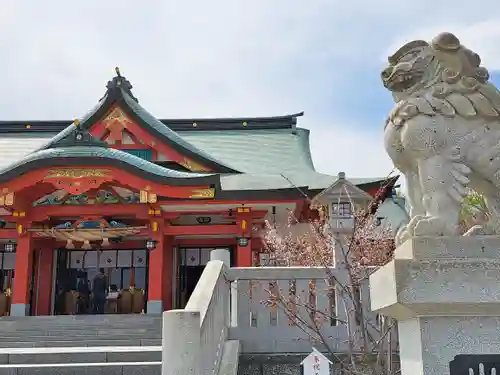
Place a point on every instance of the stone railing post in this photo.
(181, 343)
(225, 256)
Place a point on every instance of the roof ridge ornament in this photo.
(119, 82)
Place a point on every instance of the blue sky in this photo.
(194, 58)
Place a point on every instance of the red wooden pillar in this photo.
(43, 278)
(22, 276)
(155, 284)
(158, 265)
(168, 263)
(244, 257)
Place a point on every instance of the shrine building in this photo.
(143, 199)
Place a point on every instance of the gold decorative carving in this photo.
(77, 173)
(152, 198)
(203, 193)
(7, 200)
(193, 166)
(117, 115)
(147, 197)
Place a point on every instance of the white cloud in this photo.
(358, 154)
(198, 58)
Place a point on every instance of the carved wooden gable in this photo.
(118, 129)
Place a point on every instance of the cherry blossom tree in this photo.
(348, 260)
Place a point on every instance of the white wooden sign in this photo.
(316, 364)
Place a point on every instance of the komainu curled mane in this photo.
(443, 134)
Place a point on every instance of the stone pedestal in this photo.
(445, 294)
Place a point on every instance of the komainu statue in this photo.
(443, 134)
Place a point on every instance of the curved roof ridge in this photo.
(171, 137)
(73, 155)
(119, 92)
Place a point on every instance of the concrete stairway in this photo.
(80, 330)
(103, 344)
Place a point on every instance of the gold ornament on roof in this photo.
(7, 200)
(193, 166)
(203, 193)
(147, 197)
(77, 173)
(117, 114)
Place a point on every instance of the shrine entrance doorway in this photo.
(126, 272)
(192, 263)
(7, 267)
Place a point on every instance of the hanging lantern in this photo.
(69, 244)
(86, 245)
(150, 244)
(105, 242)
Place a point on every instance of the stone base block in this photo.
(428, 344)
(445, 294)
(439, 276)
(20, 309)
(155, 307)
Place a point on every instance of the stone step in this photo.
(57, 321)
(93, 331)
(82, 338)
(71, 343)
(112, 368)
(80, 355)
(61, 330)
(67, 331)
(80, 324)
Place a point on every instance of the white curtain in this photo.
(140, 258)
(192, 257)
(90, 260)
(107, 259)
(9, 261)
(205, 256)
(76, 259)
(124, 258)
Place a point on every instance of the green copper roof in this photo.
(77, 147)
(263, 154)
(172, 138)
(119, 92)
(257, 151)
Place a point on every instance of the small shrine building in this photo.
(143, 199)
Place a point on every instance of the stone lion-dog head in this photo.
(439, 65)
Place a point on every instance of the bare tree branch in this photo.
(357, 255)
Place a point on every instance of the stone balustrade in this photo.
(234, 306)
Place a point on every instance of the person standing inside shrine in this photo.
(83, 290)
(99, 292)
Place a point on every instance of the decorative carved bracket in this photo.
(7, 200)
(202, 193)
(78, 181)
